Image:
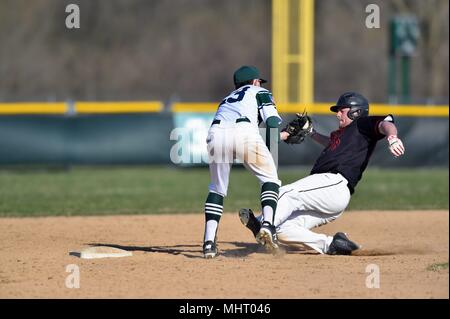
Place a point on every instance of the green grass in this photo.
(438, 267)
(154, 190)
(402, 189)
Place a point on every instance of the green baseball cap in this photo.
(246, 73)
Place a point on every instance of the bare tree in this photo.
(188, 49)
(433, 16)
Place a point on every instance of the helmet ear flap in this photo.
(357, 112)
(354, 114)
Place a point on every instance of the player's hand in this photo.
(395, 145)
(298, 129)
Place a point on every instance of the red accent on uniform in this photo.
(335, 138)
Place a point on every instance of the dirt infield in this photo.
(167, 260)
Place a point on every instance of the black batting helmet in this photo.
(358, 104)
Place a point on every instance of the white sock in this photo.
(268, 214)
(210, 229)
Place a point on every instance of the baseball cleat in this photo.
(210, 249)
(249, 220)
(341, 245)
(267, 237)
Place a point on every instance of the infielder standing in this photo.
(322, 196)
(234, 134)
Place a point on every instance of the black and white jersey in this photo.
(350, 148)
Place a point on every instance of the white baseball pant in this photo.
(308, 203)
(242, 141)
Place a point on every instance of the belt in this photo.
(242, 119)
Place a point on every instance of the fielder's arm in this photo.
(269, 114)
(272, 125)
(318, 138)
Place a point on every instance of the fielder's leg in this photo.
(265, 170)
(219, 169)
(267, 232)
(256, 157)
(213, 212)
(283, 211)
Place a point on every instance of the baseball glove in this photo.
(298, 128)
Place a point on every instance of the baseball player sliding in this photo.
(234, 134)
(323, 196)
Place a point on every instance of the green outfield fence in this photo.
(72, 133)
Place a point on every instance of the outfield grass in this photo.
(438, 266)
(154, 190)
